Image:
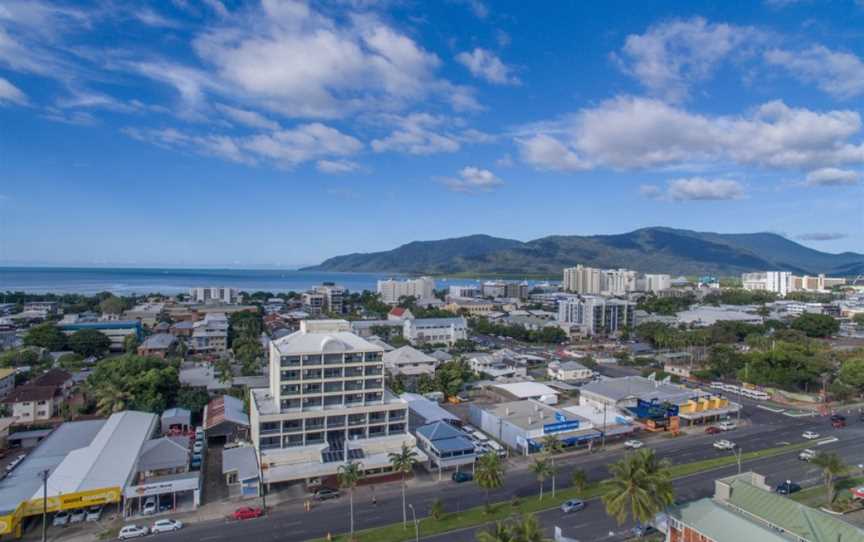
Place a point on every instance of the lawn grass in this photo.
(815, 496)
(477, 516)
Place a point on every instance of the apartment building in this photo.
(779, 282)
(582, 280)
(819, 283)
(463, 291)
(214, 294)
(326, 404)
(40, 399)
(210, 335)
(656, 283)
(596, 315)
(435, 330)
(324, 299)
(391, 290)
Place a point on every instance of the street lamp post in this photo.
(416, 523)
(738, 453)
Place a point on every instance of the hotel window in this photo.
(290, 375)
(292, 425)
(315, 438)
(268, 427)
(357, 419)
(332, 401)
(335, 421)
(291, 441)
(311, 402)
(397, 428)
(356, 433)
(269, 443)
(377, 431)
(314, 423)
(290, 361)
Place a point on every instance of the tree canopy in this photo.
(816, 325)
(46, 335)
(133, 382)
(89, 342)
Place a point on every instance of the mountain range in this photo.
(648, 250)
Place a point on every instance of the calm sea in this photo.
(173, 281)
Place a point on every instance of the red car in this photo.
(248, 512)
(712, 430)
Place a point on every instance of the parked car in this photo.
(810, 435)
(726, 426)
(633, 444)
(149, 507)
(195, 463)
(197, 447)
(93, 513)
(838, 421)
(77, 516)
(807, 455)
(248, 512)
(724, 444)
(787, 488)
(573, 505)
(712, 430)
(460, 477)
(60, 519)
(643, 530)
(325, 494)
(166, 525)
(133, 531)
(14, 463)
(199, 433)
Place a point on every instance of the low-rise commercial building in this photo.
(446, 446)
(423, 411)
(225, 419)
(116, 330)
(473, 307)
(568, 371)
(435, 330)
(147, 313)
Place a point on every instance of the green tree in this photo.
(112, 305)
(832, 466)
(133, 382)
(527, 529)
(489, 473)
(112, 398)
(131, 343)
(224, 371)
(852, 373)
(437, 509)
(19, 357)
(71, 362)
(89, 342)
(552, 446)
(403, 462)
(640, 487)
(542, 470)
(859, 319)
(499, 532)
(47, 336)
(580, 480)
(192, 399)
(816, 325)
(349, 475)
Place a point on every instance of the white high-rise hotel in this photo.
(326, 404)
(589, 280)
(420, 288)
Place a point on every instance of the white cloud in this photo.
(486, 65)
(669, 57)
(635, 133)
(424, 133)
(831, 176)
(837, 73)
(695, 189)
(151, 18)
(472, 180)
(336, 166)
(284, 148)
(247, 118)
(821, 236)
(9, 93)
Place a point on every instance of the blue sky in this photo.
(281, 133)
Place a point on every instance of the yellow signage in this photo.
(80, 499)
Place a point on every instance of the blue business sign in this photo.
(560, 427)
(560, 417)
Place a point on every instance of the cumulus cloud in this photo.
(837, 73)
(472, 180)
(248, 118)
(695, 189)
(821, 236)
(831, 176)
(9, 93)
(336, 166)
(669, 57)
(634, 133)
(486, 65)
(424, 133)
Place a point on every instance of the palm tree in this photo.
(542, 470)
(640, 487)
(832, 466)
(500, 532)
(403, 462)
(527, 529)
(111, 398)
(553, 446)
(489, 473)
(349, 475)
(580, 480)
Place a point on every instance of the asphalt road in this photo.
(290, 523)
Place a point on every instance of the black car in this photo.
(787, 488)
(325, 494)
(460, 477)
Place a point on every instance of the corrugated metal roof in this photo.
(721, 524)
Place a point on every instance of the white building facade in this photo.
(595, 315)
(435, 330)
(657, 282)
(391, 290)
(213, 294)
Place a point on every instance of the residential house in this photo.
(410, 364)
(40, 399)
(568, 371)
(159, 345)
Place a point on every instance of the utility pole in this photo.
(416, 524)
(44, 474)
(261, 485)
(603, 436)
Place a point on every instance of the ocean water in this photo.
(122, 281)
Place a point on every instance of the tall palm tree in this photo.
(527, 529)
(541, 470)
(640, 487)
(552, 446)
(111, 398)
(832, 466)
(500, 532)
(349, 475)
(580, 480)
(489, 473)
(403, 462)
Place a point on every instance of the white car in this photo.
(133, 531)
(634, 444)
(726, 426)
(807, 455)
(810, 435)
(724, 445)
(149, 506)
(77, 516)
(60, 518)
(166, 525)
(197, 447)
(94, 513)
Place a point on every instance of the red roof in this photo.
(398, 311)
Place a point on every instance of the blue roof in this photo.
(445, 438)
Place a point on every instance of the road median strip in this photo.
(502, 510)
